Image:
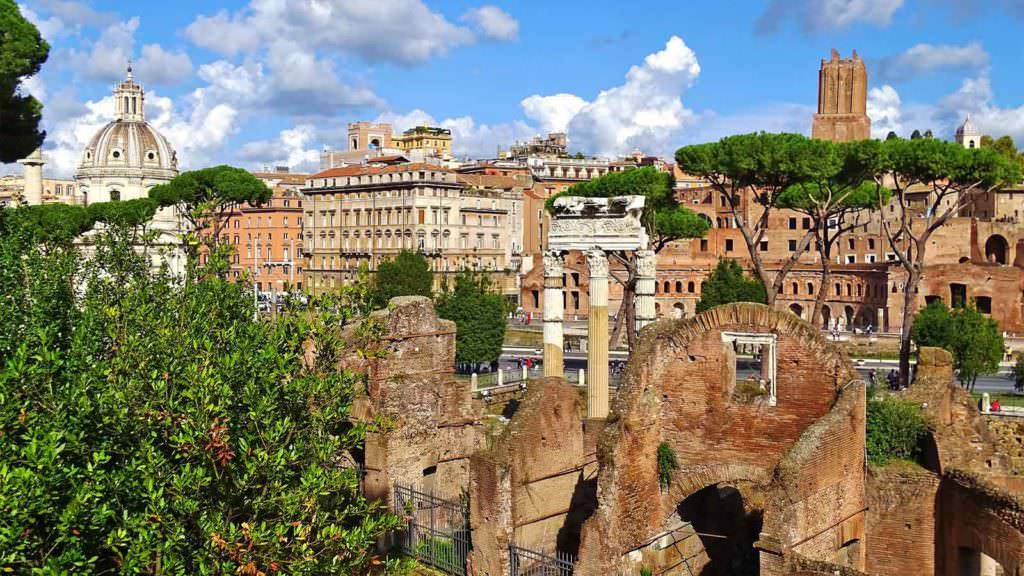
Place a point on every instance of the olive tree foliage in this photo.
(664, 219)
(22, 52)
(838, 200)
(206, 198)
(750, 173)
(930, 181)
(972, 338)
(152, 426)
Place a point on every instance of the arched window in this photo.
(810, 288)
(796, 288)
(690, 287)
(115, 195)
(665, 287)
(679, 287)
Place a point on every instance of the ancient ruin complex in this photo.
(765, 424)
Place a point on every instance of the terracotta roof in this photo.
(360, 170)
(283, 177)
(487, 181)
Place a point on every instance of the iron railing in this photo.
(436, 530)
(526, 562)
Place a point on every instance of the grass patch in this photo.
(1015, 400)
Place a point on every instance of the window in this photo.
(839, 289)
(796, 288)
(115, 195)
(728, 244)
(792, 245)
(792, 223)
(764, 245)
(810, 288)
(753, 367)
(958, 295)
(851, 243)
(871, 243)
(984, 304)
(679, 287)
(851, 258)
(689, 287)
(704, 245)
(806, 224)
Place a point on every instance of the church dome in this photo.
(129, 145)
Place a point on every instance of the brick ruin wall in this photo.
(679, 390)
(982, 517)
(535, 485)
(431, 428)
(901, 523)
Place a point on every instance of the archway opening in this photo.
(849, 316)
(796, 309)
(678, 311)
(826, 316)
(996, 249)
(723, 523)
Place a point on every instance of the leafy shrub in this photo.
(153, 426)
(667, 464)
(895, 430)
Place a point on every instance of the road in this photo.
(1000, 382)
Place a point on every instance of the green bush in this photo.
(895, 430)
(728, 284)
(667, 464)
(149, 425)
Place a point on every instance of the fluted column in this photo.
(33, 177)
(554, 310)
(646, 264)
(597, 336)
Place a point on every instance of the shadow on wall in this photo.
(727, 527)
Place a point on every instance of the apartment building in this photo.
(363, 215)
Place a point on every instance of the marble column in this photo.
(33, 177)
(554, 310)
(597, 336)
(646, 264)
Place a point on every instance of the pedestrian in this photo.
(994, 406)
(892, 380)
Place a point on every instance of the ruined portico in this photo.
(594, 226)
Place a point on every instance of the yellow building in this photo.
(430, 139)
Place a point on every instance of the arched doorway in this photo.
(678, 311)
(797, 309)
(996, 249)
(826, 316)
(723, 527)
(657, 310)
(848, 312)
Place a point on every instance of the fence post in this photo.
(986, 404)
(583, 376)
(501, 376)
(473, 381)
(525, 375)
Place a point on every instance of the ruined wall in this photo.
(818, 505)
(679, 388)
(902, 520)
(982, 517)
(534, 486)
(431, 426)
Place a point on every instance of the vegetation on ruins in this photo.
(728, 284)
(408, 274)
(760, 167)
(22, 53)
(931, 181)
(205, 198)
(664, 219)
(151, 425)
(839, 200)
(479, 315)
(667, 465)
(895, 430)
(972, 338)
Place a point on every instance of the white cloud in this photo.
(646, 111)
(158, 66)
(106, 58)
(291, 148)
(825, 15)
(884, 110)
(923, 59)
(470, 139)
(779, 117)
(402, 31)
(75, 14)
(554, 112)
(494, 23)
(50, 28)
(401, 122)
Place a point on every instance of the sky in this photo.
(272, 82)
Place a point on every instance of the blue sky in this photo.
(273, 81)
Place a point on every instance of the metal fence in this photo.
(526, 562)
(436, 531)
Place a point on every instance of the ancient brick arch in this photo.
(980, 517)
(681, 390)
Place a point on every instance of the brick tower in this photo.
(842, 100)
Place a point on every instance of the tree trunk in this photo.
(909, 293)
(819, 300)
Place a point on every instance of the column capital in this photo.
(597, 263)
(646, 263)
(554, 263)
